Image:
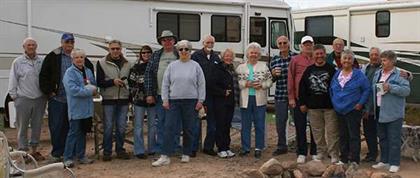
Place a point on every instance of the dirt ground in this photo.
(203, 166)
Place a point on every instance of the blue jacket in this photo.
(355, 91)
(79, 98)
(393, 101)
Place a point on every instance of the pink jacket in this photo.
(297, 66)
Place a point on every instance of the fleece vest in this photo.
(112, 71)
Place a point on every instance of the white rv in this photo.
(391, 25)
(234, 23)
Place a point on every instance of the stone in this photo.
(277, 176)
(298, 174)
(351, 170)
(378, 175)
(315, 168)
(329, 172)
(287, 174)
(288, 164)
(360, 174)
(393, 176)
(272, 167)
(339, 171)
(253, 173)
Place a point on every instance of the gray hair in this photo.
(184, 43)
(208, 36)
(346, 53)
(253, 45)
(227, 50)
(26, 40)
(375, 48)
(389, 54)
(77, 52)
(115, 41)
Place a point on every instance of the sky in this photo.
(303, 4)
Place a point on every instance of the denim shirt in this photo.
(393, 101)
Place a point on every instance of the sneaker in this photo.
(279, 152)
(37, 156)
(243, 153)
(394, 169)
(193, 154)
(369, 159)
(381, 165)
(209, 152)
(123, 155)
(339, 163)
(141, 156)
(222, 154)
(185, 159)
(258, 154)
(151, 153)
(301, 159)
(53, 159)
(69, 163)
(230, 153)
(317, 157)
(162, 161)
(86, 160)
(106, 158)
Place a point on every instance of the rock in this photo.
(298, 174)
(315, 168)
(272, 167)
(393, 176)
(361, 174)
(287, 174)
(378, 175)
(253, 173)
(329, 172)
(277, 176)
(351, 170)
(339, 171)
(288, 164)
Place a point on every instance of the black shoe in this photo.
(141, 156)
(258, 154)
(106, 158)
(151, 154)
(123, 155)
(369, 159)
(193, 154)
(210, 152)
(279, 152)
(243, 153)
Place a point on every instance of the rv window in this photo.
(257, 31)
(319, 26)
(278, 28)
(298, 36)
(184, 26)
(383, 23)
(226, 28)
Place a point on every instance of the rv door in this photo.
(277, 28)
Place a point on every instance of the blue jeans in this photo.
(253, 114)
(75, 142)
(114, 114)
(390, 141)
(210, 139)
(58, 125)
(180, 111)
(282, 115)
(139, 112)
(160, 127)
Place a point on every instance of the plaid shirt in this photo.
(150, 75)
(281, 81)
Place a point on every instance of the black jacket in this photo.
(220, 81)
(49, 76)
(207, 65)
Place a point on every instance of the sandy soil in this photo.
(202, 166)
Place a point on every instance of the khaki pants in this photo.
(324, 124)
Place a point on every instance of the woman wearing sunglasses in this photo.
(138, 98)
(183, 93)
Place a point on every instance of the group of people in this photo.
(172, 85)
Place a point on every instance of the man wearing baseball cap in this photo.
(297, 66)
(50, 81)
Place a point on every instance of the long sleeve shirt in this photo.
(184, 80)
(297, 66)
(24, 77)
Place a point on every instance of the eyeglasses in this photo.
(282, 43)
(183, 49)
(115, 49)
(146, 52)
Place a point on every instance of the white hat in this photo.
(306, 38)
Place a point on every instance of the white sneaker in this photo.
(339, 163)
(163, 160)
(334, 160)
(185, 159)
(317, 157)
(230, 153)
(301, 159)
(222, 154)
(394, 169)
(381, 165)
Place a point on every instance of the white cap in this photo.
(306, 38)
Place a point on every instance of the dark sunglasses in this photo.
(146, 52)
(183, 49)
(282, 43)
(115, 49)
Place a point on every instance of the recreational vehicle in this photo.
(234, 23)
(391, 25)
